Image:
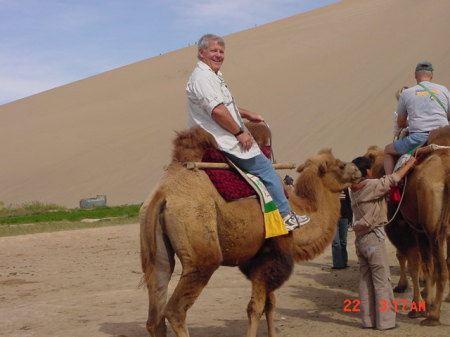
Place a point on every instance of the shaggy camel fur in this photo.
(420, 231)
(186, 216)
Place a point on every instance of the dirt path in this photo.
(84, 284)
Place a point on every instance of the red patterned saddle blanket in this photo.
(228, 182)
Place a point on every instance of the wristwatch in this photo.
(240, 132)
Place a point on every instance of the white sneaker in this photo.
(293, 221)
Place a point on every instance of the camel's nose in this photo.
(356, 172)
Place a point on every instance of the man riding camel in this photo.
(422, 108)
(211, 106)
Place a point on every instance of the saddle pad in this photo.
(229, 183)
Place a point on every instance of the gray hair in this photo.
(424, 73)
(204, 41)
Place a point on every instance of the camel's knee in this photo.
(157, 329)
(176, 316)
(255, 309)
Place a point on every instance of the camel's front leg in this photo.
(413, 266)
(256, 307)
(402, 284)
(269, 310)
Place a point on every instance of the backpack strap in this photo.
(433, 96)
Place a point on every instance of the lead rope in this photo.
(270, 144)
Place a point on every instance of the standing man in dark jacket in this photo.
(339, 245)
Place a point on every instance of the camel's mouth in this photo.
(356, 176)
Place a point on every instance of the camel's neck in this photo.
(312, 239)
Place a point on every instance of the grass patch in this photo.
(37, 218)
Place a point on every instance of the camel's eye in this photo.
(342, 166)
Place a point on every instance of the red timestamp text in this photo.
(402, 305)
(395, 305)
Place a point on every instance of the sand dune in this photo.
(325, 78)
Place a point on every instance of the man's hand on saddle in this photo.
(246, 139)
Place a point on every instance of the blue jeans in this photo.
(262, 167)
(339, 245)
(410, 142)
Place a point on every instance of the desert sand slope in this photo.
(325, 78)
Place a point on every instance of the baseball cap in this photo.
(424, 66)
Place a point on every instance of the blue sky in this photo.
(48, 43)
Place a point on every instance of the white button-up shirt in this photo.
(206, 90)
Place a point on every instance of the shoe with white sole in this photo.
(293, 221)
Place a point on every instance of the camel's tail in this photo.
(149, 219)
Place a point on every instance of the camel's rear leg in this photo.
(192, 282)
(198, 248)
(158, 285)
(402, 284)
(439, 278)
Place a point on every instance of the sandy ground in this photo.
(84, 283)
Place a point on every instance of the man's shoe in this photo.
(293, 221)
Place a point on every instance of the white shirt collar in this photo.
(202, 65)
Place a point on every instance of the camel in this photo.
(185, 215)
(420, 229)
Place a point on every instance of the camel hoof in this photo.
(400, 289)
(430, 322)
(416, 314)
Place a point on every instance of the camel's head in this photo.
(335, 174)
(375, 155)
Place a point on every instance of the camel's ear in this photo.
(300, 168)
(323, 168)
(372, 153)
(371, 156)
